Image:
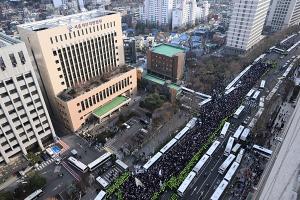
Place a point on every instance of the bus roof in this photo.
(245, 134)
(168, 145)
(100, 196)
(212, 148)
(77, 163)
(122, 164)
(231, 171)
(200, 163)
(102, 182)
(225, 128)
(219, 191)
(181, 133)
(249, 94)
(152, 160)
(99, 160)
(239, 110)
(238, 132)
(34, 194)
(186, 182)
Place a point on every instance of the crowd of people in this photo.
(210, 116)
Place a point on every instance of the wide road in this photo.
(208, 178)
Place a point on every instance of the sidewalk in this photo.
(164, 134)
(8, 182)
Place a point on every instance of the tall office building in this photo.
(157, 11)
(24, 119)
(129, 50)
(246, 24)
(80, 59)
(282, 14)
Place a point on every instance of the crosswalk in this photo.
(111, 175)
(44, 164)
(71, 171)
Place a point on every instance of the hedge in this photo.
(113, 189)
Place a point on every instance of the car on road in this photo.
(57, 161)
(143, 121)
(280, 139)
(126, 125)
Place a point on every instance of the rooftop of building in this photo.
(6, 40)
(66, 20)
(167, 50)
(108, 107)
(75, 91)
(160, 81)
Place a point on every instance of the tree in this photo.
(6, 195)
(36, 181)
(33, 158)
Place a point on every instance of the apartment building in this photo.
(80, 60)
(24, 120)
(157, 12)
(282, 14)
(246, 24)
(185, 14)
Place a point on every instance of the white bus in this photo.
(277, 50)
(256, 94)
(238, 111)
(238, 132)
(262, 102)
(262, 84)
(236, 148)
(185, 184)
(202, 103)
(228, 146)
(121, 164)
(263, 151)
(100, 196)
(168, 146)
(219, 191)
(224, 130)
(231, 171)
(181, 133)
(77, 164)
(230, 90)
(213, 148)
(240, 156)
(245, 134)
(152, 161)
(200, 164)
(191, 123)
(249, 94)
(226, 163)
(34, 195)
(103, 183)
(99, 161)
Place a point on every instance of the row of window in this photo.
(82, 32)
(97, 55)
(13, 60)
(104, 94)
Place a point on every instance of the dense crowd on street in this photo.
(174, 161)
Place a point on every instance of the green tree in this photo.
(33, 158)
(6, 196)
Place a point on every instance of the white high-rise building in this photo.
(185, 14)
(283, 13)
(246, 24)
(205, 9)
(157, 11)
(24, 119)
